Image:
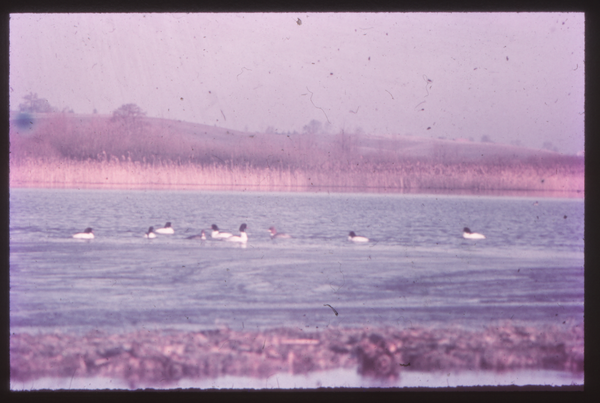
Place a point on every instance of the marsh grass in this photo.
(95, 151)
(363, 177)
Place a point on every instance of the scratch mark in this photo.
(343, 280)
(223, 114)
(318, 107)
(72, 378)
(334, 311)
(576, 67)
(264, 342)
(427, 81)
(389, 93)
(420, 104)
(243, 68)
(351, 111)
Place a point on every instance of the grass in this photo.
(164, 357)
(79, 151)
(117, 173)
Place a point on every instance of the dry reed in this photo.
(64, 151)
(359, 177)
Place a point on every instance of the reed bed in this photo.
(115, 173)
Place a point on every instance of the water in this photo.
(416, 271)
(340, 378)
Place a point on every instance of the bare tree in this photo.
(33, 104)
(346, 144)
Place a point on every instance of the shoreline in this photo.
(337, 379)
(167, 357)
(300, 189)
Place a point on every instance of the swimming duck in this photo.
(275, 234)
(88, 233)
(150, 234)
(217, 234)
(167, 230)
(201, 236)
(355, 238)
(472, 235)
(242, 238)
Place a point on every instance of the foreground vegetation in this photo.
(147, 358)
(61, 151)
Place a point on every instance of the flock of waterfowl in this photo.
(88, 233)
(243, 237)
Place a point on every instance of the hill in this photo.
(331, 160)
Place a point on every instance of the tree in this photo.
(33, 104)
(128, 116)
(128, 112)
(313, 127)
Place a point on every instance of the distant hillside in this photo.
(94, 150)
(76, 136)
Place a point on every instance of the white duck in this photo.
(166, 230)
(242, 238)
(88, 233)
(217, 234)
(355, 238)
(467, 234)
(150, 234)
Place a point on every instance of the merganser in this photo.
(201, 236)
(275, 234)
(166, 230)
(217, 234)
(87, 234)
(355, 238)
(150, 233)
(472, 235)
(242, 238)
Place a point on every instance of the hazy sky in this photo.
(510, 76)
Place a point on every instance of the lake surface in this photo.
(417, 270)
